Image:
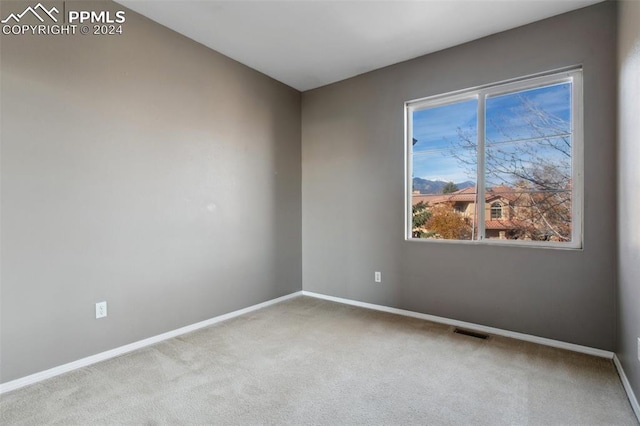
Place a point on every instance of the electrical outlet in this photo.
(377, 276)
(638, 348)
(101, 310)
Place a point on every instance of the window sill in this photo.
(501, 243)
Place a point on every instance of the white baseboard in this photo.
(65, 368)
(627, 387)
(468, 325)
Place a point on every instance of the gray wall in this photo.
(628, 196)
(353, 195)
(145, 170)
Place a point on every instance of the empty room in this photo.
(320, 212)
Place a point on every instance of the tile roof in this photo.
(468, 195)
(510, 194)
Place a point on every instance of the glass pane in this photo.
(444, 159)
(528, 165)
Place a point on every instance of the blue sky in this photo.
(438, 129)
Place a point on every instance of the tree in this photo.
(449, 188)
(537, 166)
(420, 215)
(447, 224)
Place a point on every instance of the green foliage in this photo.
(421, 215)
(449, 188)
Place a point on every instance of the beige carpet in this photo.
(308, 361)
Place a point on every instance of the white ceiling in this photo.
(308, 44)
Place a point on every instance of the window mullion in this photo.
(480, 184)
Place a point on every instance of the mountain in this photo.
(426, 186)
(465, 184)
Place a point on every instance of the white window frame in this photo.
(496, 207)
(573, 75)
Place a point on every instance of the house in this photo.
(507, 211)
(149, 170)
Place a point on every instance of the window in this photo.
(460, 207)
(496, 211)
(510, 152)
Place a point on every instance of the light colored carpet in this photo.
(308, 361)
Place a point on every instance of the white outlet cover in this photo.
(638, 348)
(101, 310)
(377, 276)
